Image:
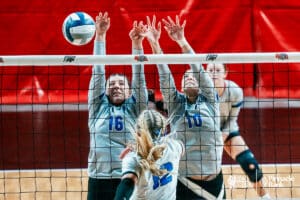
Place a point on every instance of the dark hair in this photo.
(225, 67)
(116, 74)
(151, 95)
(160, 107)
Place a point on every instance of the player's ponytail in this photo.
(150, 125)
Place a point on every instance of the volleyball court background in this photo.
(43, 126)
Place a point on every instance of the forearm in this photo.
(155, 47)
(99, 49)
(185, 46)
(260, 190)
(137, 45)
(125, 189)
(166, 81)
(100, 37)
(139, 82)
(98, 72)
(97, 81)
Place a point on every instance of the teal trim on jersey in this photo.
(232, 135)
(130, 172)
(238, 104)
(101, 96)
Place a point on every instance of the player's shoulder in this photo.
(231, 84)
(131, 157)
(174, 145)
(233, 88)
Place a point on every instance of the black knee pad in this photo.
(246, 159)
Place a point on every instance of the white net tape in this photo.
(53, 60)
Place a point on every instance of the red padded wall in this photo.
(34, 27)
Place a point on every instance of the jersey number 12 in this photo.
(165, 179)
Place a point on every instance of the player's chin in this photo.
(191, 90)
(118, 99)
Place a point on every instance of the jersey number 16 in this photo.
(116, 122)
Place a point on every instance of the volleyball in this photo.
(79, 28)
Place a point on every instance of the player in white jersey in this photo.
(231, 99)
(150, 170)
(113, 108)
(194, 117)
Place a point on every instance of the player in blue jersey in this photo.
(113, 108)
(150, 170)
(194, 117)
(231, 99)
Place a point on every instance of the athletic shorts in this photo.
(191, 189)
(104, 189)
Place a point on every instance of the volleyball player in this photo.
(113, 109)
(150, 170)
(231, 99)
(194, 117)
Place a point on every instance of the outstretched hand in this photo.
(137, 32)
(102, 23)
(153, 31)
(175, 30)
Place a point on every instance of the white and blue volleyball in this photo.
(79, 28)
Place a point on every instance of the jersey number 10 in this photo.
(194, 120)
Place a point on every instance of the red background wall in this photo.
(60, 139)
(34, 27)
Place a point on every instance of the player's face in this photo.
(189, 84)
(117, 89)
(217, 73)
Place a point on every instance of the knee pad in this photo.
(250, 166)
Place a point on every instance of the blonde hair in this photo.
(150, 126)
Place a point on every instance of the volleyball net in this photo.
(55, 60)
(44, 136)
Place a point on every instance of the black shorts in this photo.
(103, 189)
(214, 187)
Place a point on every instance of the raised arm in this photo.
(175, 31)
(97, 82)
(139, 88)
(167, 84)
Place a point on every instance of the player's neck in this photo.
(221, 88)
(191, 99)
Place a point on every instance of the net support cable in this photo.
(59, 60)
